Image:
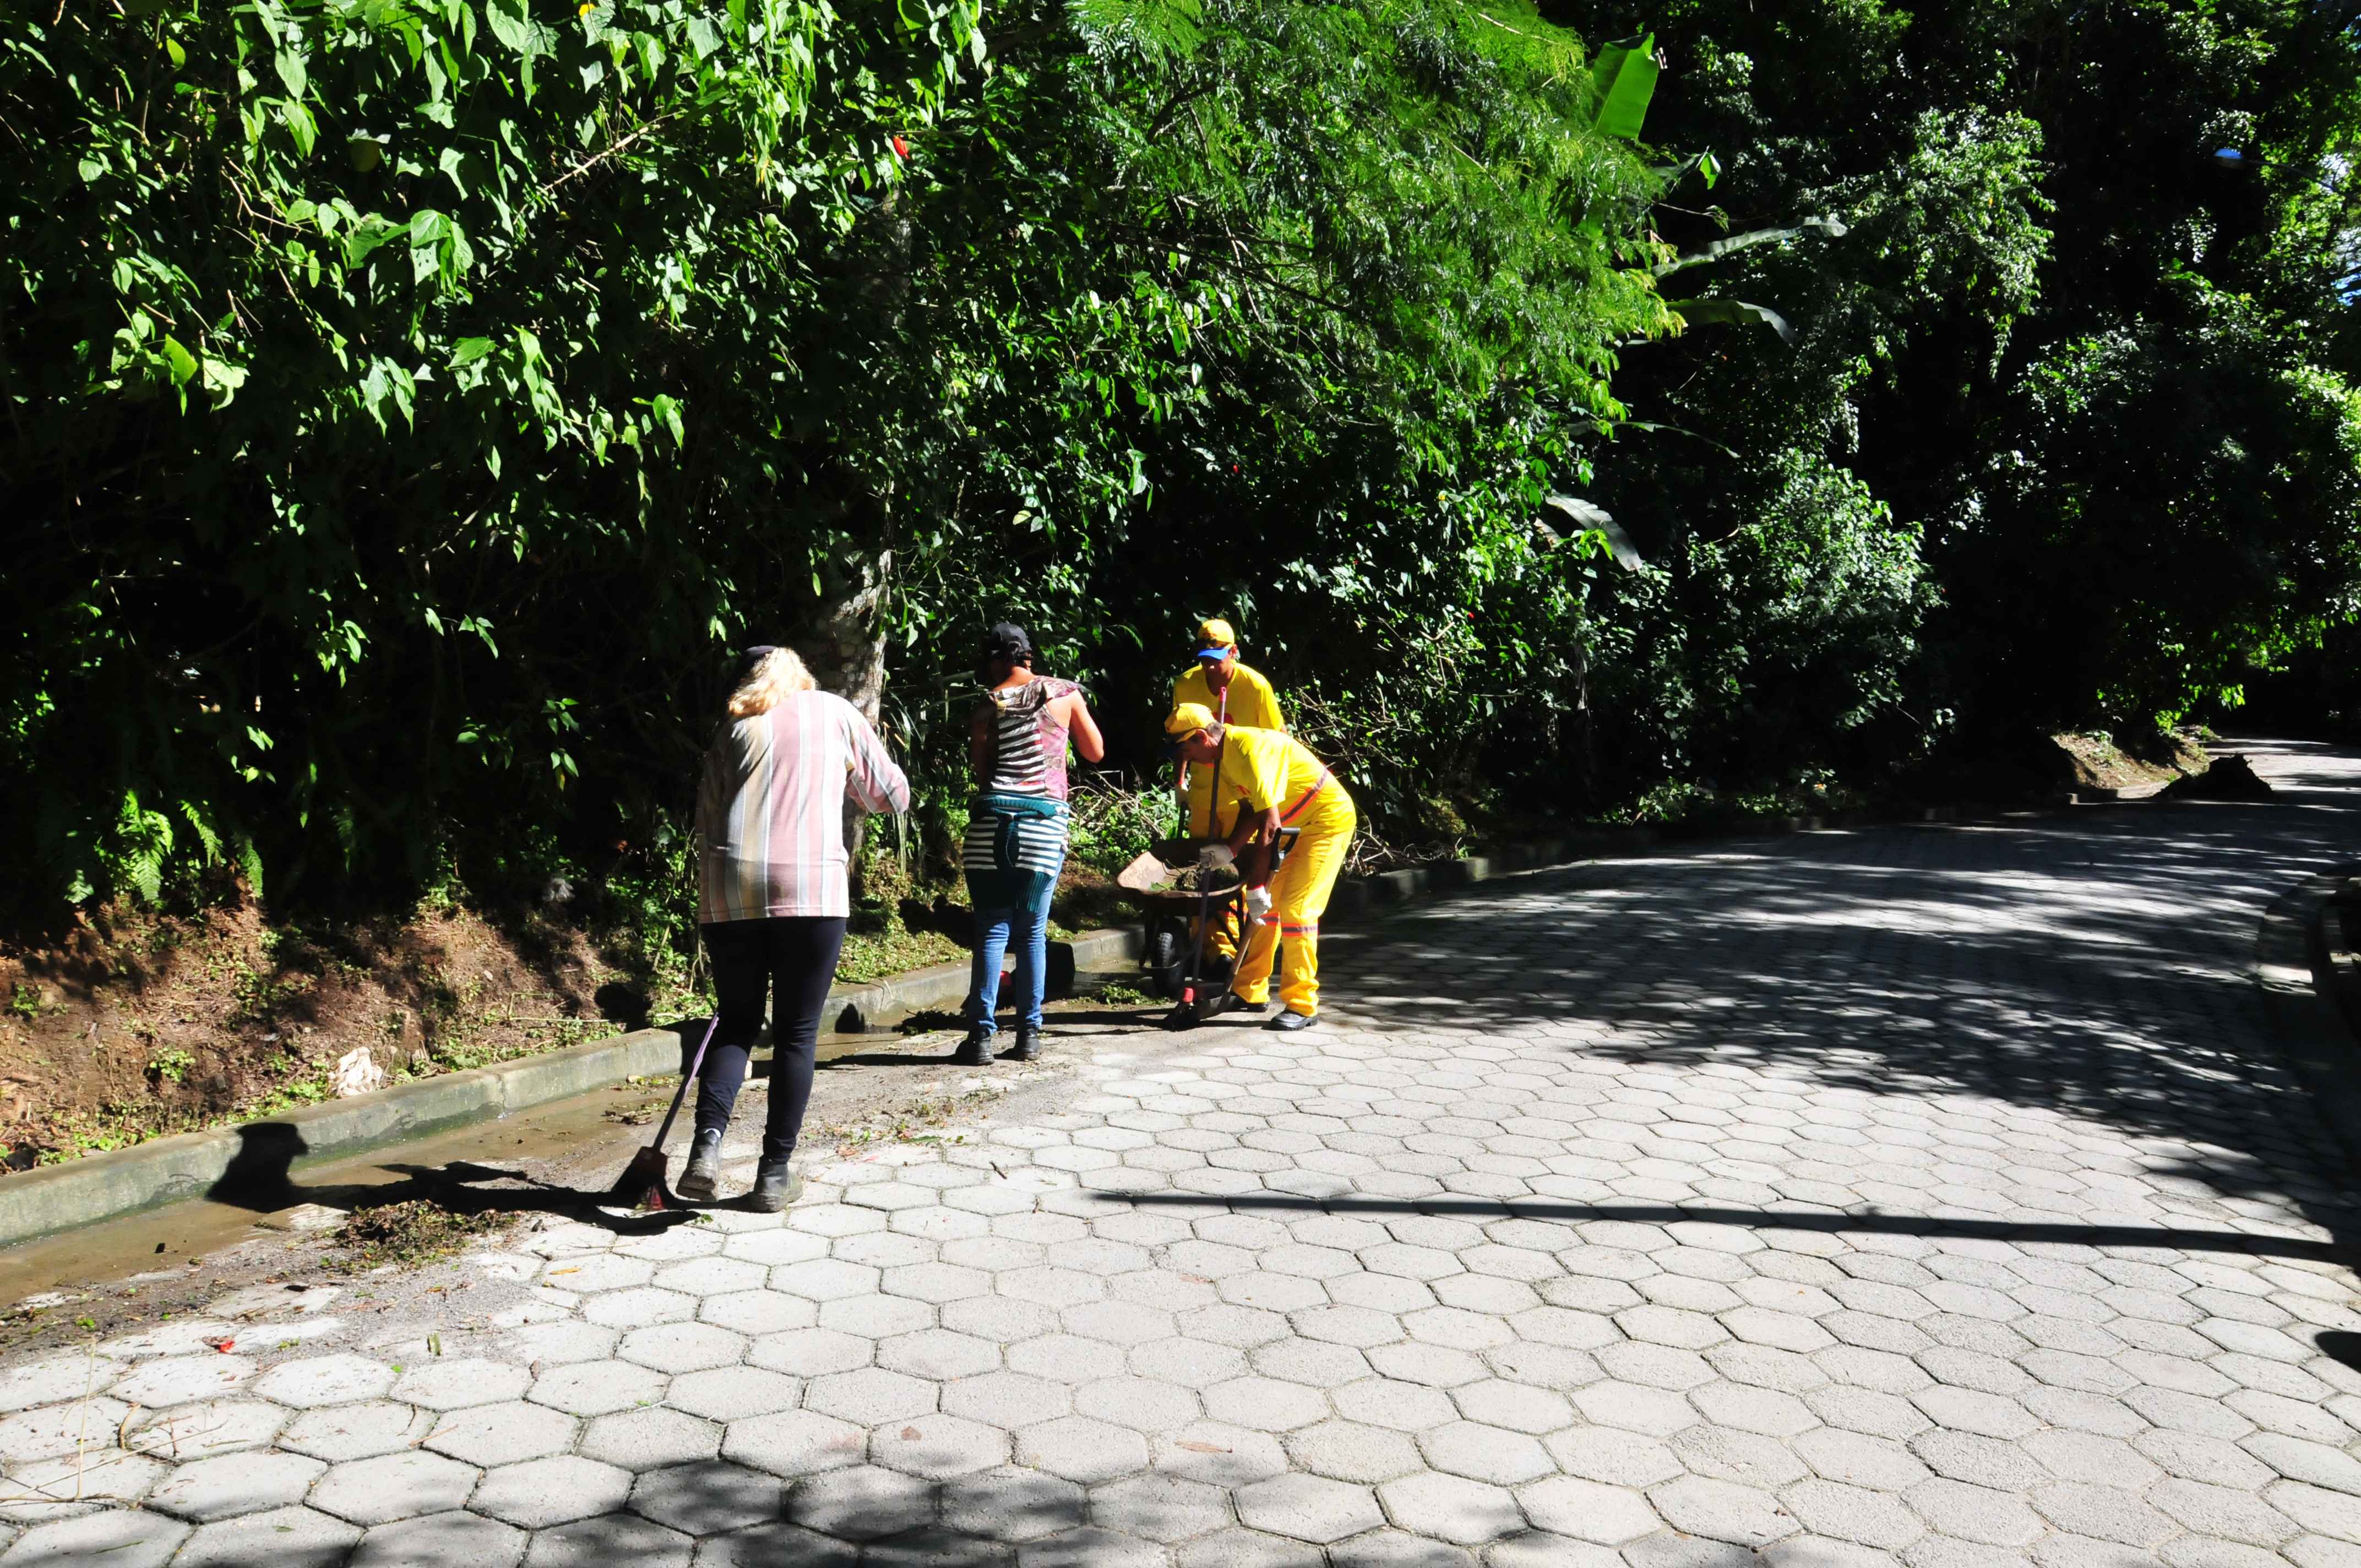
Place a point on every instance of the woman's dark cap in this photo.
(1008, 640)
(749, 659)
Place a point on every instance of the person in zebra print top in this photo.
(1017, 830)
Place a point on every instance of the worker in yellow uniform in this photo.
(1234, 693)
(1273, 781)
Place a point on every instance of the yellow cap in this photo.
(1216, 634)
(1188, 718)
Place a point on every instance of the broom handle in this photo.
(686, 1079)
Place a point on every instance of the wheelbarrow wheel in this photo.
(1165, 956)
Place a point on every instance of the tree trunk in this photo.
(846, 652)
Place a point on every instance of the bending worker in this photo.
(1234, 693)
(1272, 781)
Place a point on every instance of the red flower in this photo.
(901, 147)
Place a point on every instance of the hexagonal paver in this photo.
(1160, 1508)
(1090, 1548)
(236, 1483)
(757, 1313)
(1587, 1510)
(1722, 1510)
(1082, 1449)
(869, 1396)
(683, 1347)
(1140, 1403)
(56, 1378)
(937, 1353)
(452, 1539)
(649, 1439)
(771, 1545)
(394, 1487)
(225, 1426)
(1006, 1399)
(282, 1538)
(860, 1502)
(1264, 1404)
(540, 1493)
(1853, 1513)
(1485, 1454)
(1348, 1451)
(1450, 1508)
(182, 1379)
(485, 1435)
(1402, 1406)
(638, 1307)
(792, 1443)
(121, 1539)
(75, 1484)
(598, 1387)
(460, 1381)
(607, 1539)
(708, 1496)
(1309, 1507)
(811, 1353)
(1013, 1505)
(940, 1447)
(324, 1380)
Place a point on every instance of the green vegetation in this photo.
(409, 401)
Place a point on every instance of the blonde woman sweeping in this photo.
(770, 824)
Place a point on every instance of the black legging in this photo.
(793, 959)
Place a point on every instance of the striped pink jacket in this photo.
(770, 812)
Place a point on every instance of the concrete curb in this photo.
(2296, 975)
(858, 1009)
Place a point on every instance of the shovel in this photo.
(642, 1185)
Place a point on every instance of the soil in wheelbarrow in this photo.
(1198, 880)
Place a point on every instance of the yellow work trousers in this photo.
(1299, 896)
(1198, 821)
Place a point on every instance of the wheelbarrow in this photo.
(1179, 918)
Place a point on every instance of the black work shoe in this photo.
(1290, 1019)
(1029, 1044)
(975, 1050)
(702, 1179)
(775, 1187)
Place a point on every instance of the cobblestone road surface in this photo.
(1932, 1196)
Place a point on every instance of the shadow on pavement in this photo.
(2093, 967)
(260, 1179)
(1765, 1219)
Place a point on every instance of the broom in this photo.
(642, 1185)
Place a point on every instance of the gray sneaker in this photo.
(776, 1185)
(702, 1179)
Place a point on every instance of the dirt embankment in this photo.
(135, 1025)
(2100, 766)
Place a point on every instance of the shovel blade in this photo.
(1145, 874)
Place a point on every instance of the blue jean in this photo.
(996, 931)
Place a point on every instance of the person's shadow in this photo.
(260, 1178)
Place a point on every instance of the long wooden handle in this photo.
(687, 1079)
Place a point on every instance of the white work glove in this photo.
(1215, 857)
(1258, 902)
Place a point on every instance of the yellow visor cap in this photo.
(1216, 633)
(1188, 718)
